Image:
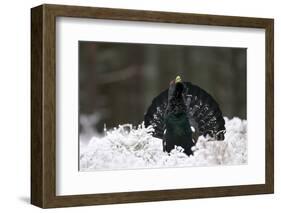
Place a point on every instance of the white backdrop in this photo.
(15, 104)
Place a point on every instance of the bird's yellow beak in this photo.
(178, 79)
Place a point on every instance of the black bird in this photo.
(181, 108)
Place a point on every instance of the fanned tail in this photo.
(203, 113)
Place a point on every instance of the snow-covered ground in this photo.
(126, 147)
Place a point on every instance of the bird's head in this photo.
(176, 88)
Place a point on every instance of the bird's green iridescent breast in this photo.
(178, 124)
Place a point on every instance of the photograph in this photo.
(144, 106)
(139, 105)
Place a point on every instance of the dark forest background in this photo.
(117, 81)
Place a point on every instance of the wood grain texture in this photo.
(43, 105)
(36, 106)
(269, 106)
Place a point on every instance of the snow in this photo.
(126, 147)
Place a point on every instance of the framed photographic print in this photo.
(136, 106)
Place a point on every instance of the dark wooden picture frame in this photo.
(43, 105)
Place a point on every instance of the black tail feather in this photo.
(202, 110)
